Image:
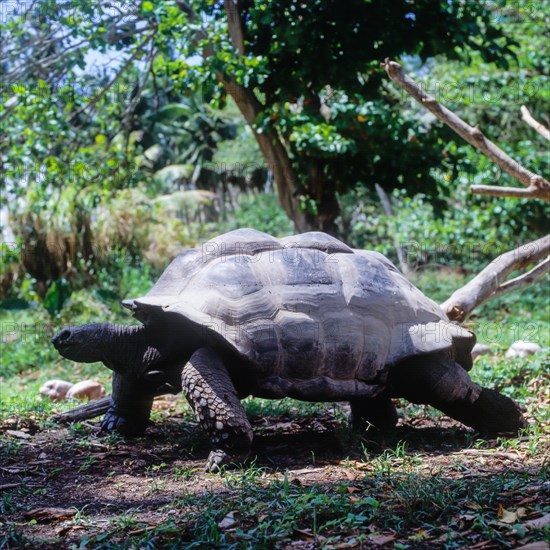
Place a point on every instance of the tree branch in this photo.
(540, 187)
(523, 280)
(235, 24)
(527, 117)
(84, 412)
(532, 192)
(119, 74)
(491, 279)
(93, 409)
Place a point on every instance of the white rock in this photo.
(87, 389)
(56, 389)
(480, 349)
(523, 349)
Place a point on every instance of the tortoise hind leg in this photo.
(213, 397)
(438, 381)
(379, 412)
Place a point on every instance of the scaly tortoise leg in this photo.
(378, 411)
(438, 381)
(213, 397)
(131, 408)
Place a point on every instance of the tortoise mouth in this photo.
(62, 340)
(63, 346)
(66, 349)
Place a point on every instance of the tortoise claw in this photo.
(114, 422)
(219, 458)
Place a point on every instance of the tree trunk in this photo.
(324, 219)
(276, 156)
(273, 149)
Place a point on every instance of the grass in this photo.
(311, 483)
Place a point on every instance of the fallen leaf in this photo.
(306, 533)
(352, 489)
(521, 512)
(419, 535)
(506, 516)
(381, 539)
(528, 500)
(538, 488)
(481, 544)
(538, 522)
(350, 475)
(46, 515)
(228, 521)
(62, 531)
(18, 433)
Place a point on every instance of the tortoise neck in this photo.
(131, 349)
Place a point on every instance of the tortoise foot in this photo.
(494, 413)
(115, 422)
(219, 458)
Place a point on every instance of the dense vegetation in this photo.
(142, 157)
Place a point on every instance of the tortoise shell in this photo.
(303, 307)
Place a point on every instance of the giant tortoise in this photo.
(305, 317)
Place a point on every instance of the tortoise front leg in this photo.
(131, 408)
(213, 397)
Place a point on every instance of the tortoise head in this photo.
(122, 348)
(86, 343)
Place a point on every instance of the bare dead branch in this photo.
(486, 283)
(540, 128)
(524, 280)
(471, 134)
(93, 409)
(132, 104)
(532, 192)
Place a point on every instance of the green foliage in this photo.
(468, 235)
(317, 66)
(57, 296)
(313, 67)
(262, 212)
(490, 96)
(123, 277)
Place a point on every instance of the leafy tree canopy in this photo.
(305, 75)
